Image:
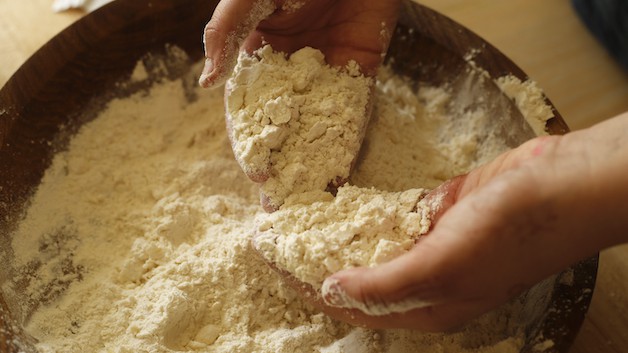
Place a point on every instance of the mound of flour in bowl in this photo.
(138, 238)
(296, 120)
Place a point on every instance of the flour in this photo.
(260, 9)
(138, 238)
(406, 126)
(529, 99)
(314, 235)
(292, 116)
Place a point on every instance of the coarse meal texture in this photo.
(292, 115)
(315, 234)
(529, 99)
(139, 237)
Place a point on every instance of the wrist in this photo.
(586, 176)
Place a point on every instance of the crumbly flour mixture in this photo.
(315, 234)
(529, 99)
(139, 236)
(296, 120)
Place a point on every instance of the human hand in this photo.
(343, 30)
(502, 228)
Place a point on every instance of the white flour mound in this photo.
(296, 119)
(314, 235)
(138, 238)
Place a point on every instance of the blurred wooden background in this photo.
(545, 38)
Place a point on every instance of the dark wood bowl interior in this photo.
(53, 93)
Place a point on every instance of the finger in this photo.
(405, 293)
(386, 288)
(230, 24)
(426, 316)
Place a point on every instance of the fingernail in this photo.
(207, 72)
(332, 293)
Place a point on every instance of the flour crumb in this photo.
(296, 119)
(144, 245)
(314, 234)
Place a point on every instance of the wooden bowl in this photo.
(60, 87)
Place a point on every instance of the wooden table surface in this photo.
(544, 37)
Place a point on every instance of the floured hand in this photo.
(503, 227)
(349, 33)
(314, 235)
(344, 30)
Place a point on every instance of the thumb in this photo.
(229, 26)
(398, 286)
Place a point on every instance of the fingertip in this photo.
(334, 292)
(205, 80)
(356, 288)
(219, 66)
(215, 47)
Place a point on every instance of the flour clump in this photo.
(296, 123)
